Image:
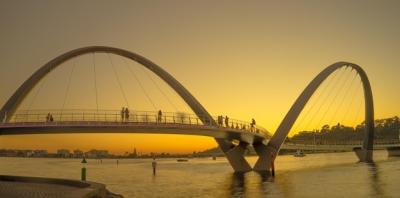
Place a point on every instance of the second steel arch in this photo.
(282, 131)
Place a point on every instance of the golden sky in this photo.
(237, 58)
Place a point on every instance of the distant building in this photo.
(78, 153)
(40, 153)
(63, 153)
(28, 153)
(97, 154)
(134, 154)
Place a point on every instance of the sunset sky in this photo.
(238, 58)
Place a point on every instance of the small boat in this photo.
(182, 160)
(299, 153)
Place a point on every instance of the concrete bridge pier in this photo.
(393, 151)
(235, 155)
(364, 155)
(265, 154)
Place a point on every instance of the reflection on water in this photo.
(237, 188)
(317, 175)
(374, 177)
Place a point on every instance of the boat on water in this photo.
(182, 160)
(299, 153)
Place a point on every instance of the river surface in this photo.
(315, 175)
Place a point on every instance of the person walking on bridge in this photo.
(126, 114)
(226, 121)
(159, 116)
(253, 124)
(48, 117)
(122, 114)
(51, 118)
(220, 118)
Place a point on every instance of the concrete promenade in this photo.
(36, 187)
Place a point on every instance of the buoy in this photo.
(83, 170)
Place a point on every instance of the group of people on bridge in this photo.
(49, 117)
(224, 122)
(125, 114)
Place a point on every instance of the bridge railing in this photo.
(116, 116)
(345, 142)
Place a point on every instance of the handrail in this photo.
(116, 116)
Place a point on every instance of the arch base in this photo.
(364, 155)
(235, 155)
(265, 154)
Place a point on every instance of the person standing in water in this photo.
(154, 165)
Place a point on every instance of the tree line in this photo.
(386, 131)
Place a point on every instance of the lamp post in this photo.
(83, 170)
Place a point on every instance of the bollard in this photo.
(83, 170)
(154, 164)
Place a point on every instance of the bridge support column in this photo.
(364, 155)
(235, 155)
(265, 154)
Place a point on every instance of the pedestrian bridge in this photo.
(110, 121)
(233, 137)
(336, 147)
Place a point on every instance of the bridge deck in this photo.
(343, 147)
(20, 128)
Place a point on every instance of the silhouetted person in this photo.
(48, 117)
(220, 118)
(253, 124)
(51, 118)
(237, 126)
(122, 114)
(126, 114)
(226, 121)
(159, 117)
(154, 165)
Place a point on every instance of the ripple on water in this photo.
(316, 175)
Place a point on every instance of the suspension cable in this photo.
(325, 98)
(118, 80)
(162, 92)
(344, 97)
(351, 103)
(95, 80)
(140, 84)
(68, 86)
(333, 100)
(321, 93)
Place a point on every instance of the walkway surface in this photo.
(35, 187)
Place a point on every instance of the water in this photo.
(316, 175)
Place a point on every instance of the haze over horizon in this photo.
(239, 59)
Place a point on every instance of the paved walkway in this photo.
(33, 187)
